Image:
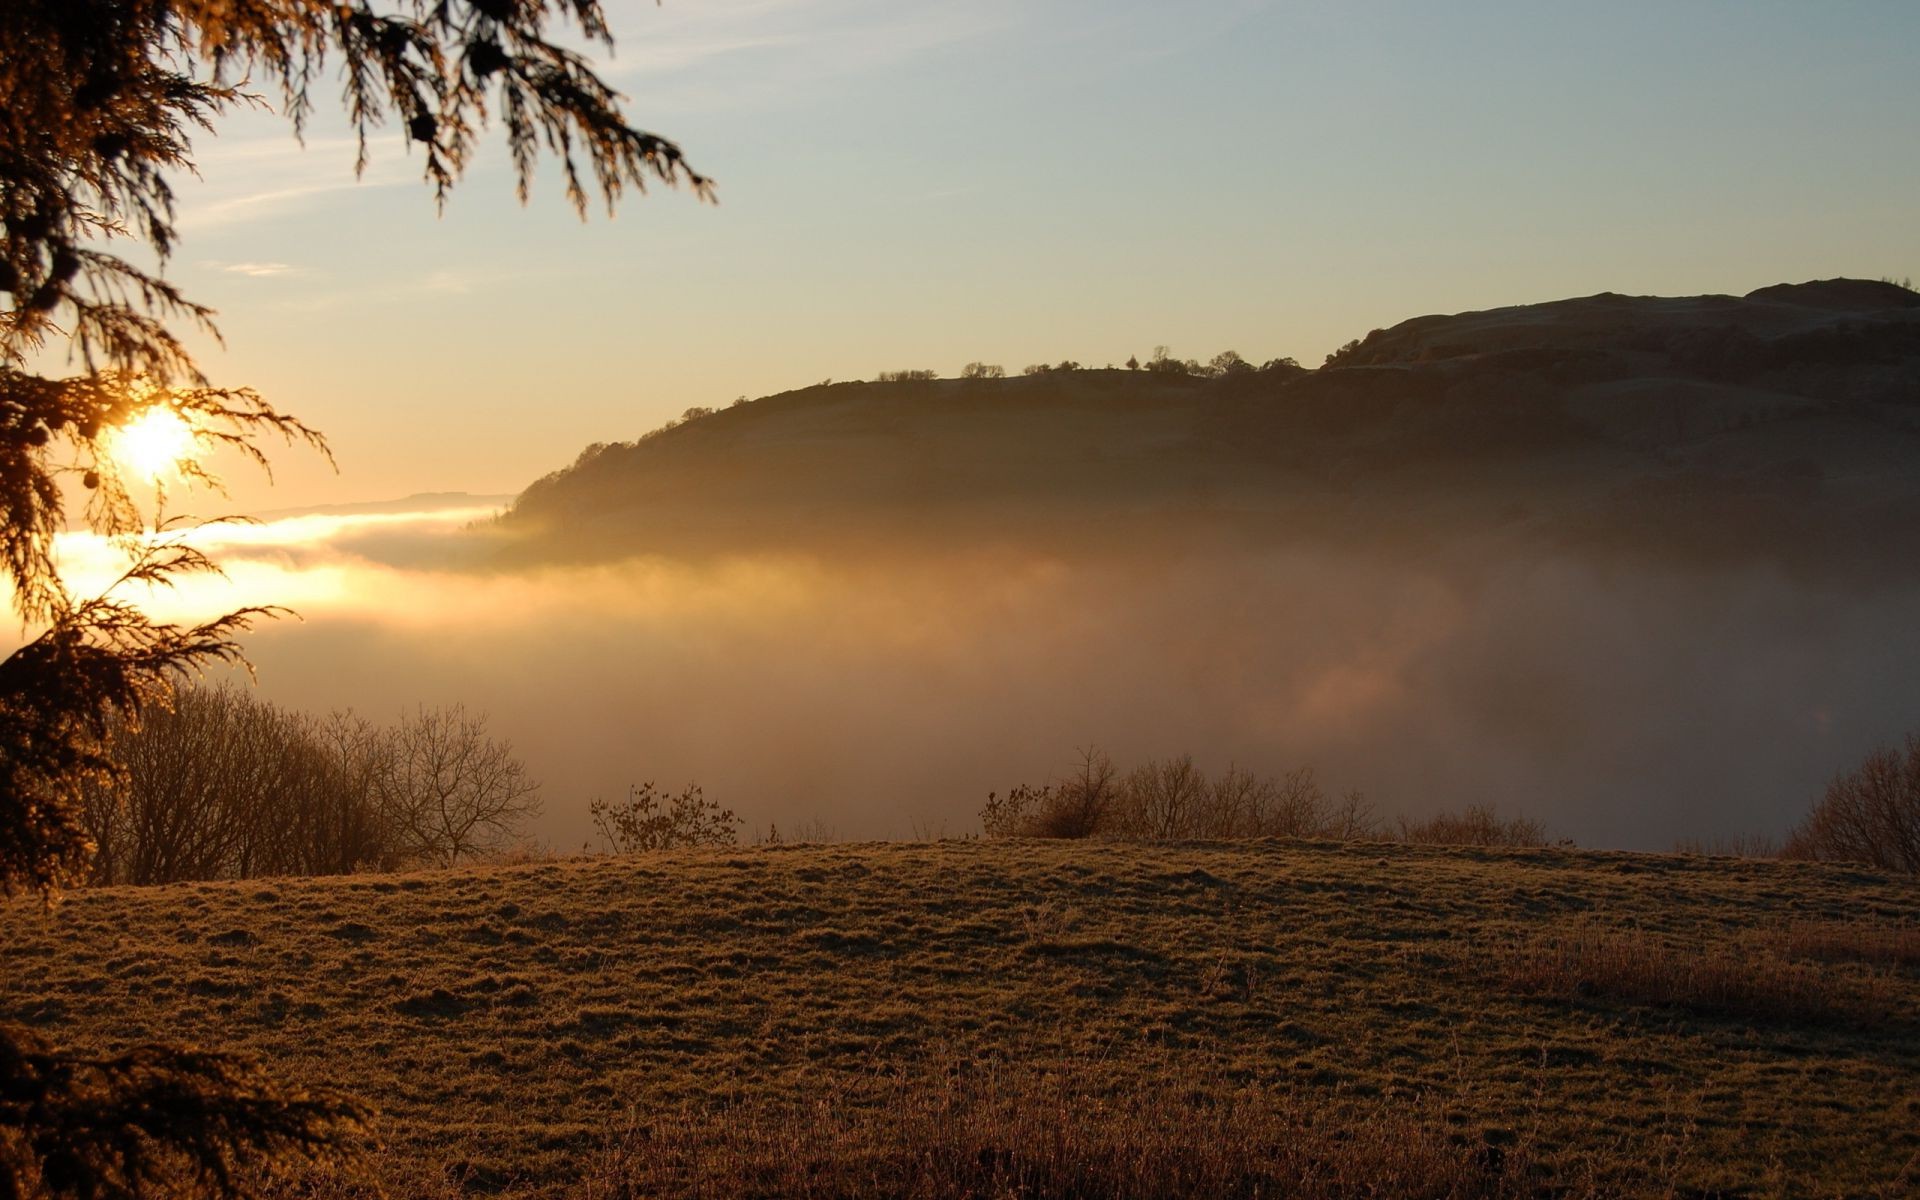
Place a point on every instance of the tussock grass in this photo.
(1880, 942)
(1057, 1138)
(1748, 978)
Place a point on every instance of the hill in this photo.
(1619, 1024)
(1782, 425)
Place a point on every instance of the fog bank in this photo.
(1623, 706)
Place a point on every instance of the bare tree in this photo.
(1296, 806)
(449, 790)
(1352, 820)
(181, 767)
(224, 785)
(358, 834)
(1870, 814)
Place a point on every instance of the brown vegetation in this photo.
(967, 1133)
(1165, 799)
(1746, 978)
(224, 785)
(648, 819)
(509, 1023)
(1870, 814)
(1477, 825)
(1886, 943)
(1172, 799)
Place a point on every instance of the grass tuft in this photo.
(1048, 1137)
(1882, 943)
(1751, 978)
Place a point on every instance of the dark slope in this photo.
(1782, 425)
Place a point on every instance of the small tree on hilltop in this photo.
(1229, 362)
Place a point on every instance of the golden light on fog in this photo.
(153, 444)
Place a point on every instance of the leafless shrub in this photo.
(906, 376)
(1074, 807)
(1013, 814)
(980, 370)
(1293, 805)
(1053, 1137)
(649, 819)
(1749, 979)
(1162, 798)
(1083, 800)
(1350, 820)
(1869, 815)
(1478, 825)
(1173, 798)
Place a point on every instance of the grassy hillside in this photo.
(1734, 1027)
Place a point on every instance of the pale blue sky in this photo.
(907, 183)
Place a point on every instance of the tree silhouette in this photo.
(97, 102)
(449, 790)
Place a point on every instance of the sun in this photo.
(154, 444)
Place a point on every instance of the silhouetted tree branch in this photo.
(98, 100)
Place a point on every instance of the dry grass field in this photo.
(855, 1020)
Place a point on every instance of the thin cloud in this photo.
(443, 282)
(761, 53)
(258, 176)
(257, 270)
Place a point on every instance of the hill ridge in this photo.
(1794, 409)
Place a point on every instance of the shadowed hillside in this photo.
(1626, 1024)
(1780, 426)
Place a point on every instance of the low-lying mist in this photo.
(885, 696)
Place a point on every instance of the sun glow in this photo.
(154, 444)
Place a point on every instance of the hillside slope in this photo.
(511, 1020)
(1784, 424)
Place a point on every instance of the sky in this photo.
(906, 183)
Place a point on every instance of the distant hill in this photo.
(1784, 424)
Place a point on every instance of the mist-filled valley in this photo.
(1642, 570)
(847, 600)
